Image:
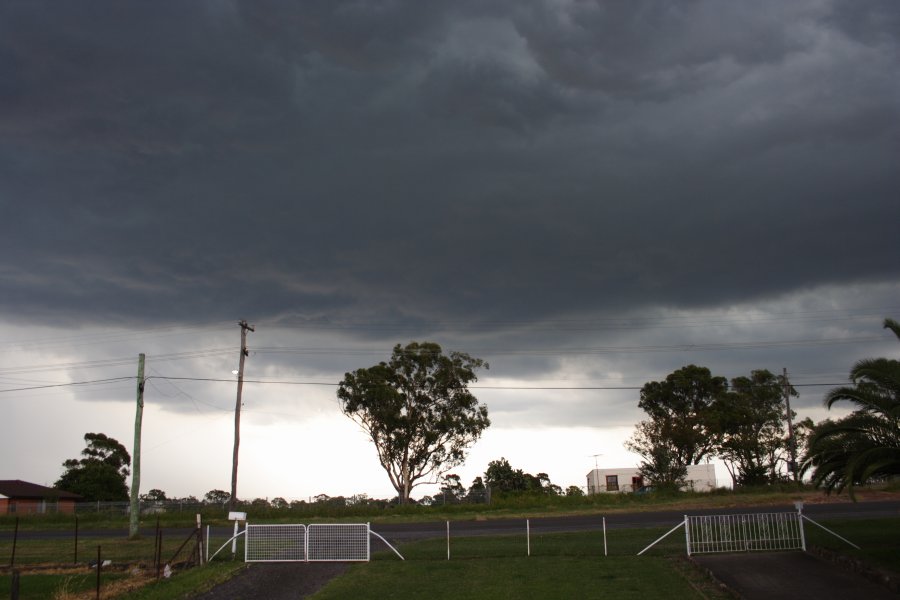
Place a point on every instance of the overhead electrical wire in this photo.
(333, 384)
(68, 384)
(590, 350)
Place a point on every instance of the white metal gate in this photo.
(744, 533)
(293, 543)
(338, 542)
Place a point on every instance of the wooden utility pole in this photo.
(237, 411)
(792, 443)
(134, 516)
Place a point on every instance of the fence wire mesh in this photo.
(275, 543)
(338, 542)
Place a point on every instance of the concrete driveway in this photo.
(790, 576)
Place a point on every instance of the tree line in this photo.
(693, 416)
(422, 418)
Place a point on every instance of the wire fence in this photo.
(537, 537)
(70, 544)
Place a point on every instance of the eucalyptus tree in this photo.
(679, 430)
(417, 410)
(750, 428)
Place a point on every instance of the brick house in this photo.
(23, 498)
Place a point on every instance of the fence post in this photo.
(605, 553)
(448, 540)
(76, 540)
(159, 536)
(799, 506)
(12, 558)
(528, 535)
(687, 535)
(14, 589)
(199, 540)
(98, 572)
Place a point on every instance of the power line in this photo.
(333, 384)
(663, 322)
(115, 362)
(68, 384)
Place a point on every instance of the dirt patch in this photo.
(276, 581)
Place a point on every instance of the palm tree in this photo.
(864, 445)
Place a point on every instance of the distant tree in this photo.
(574, 491)
(99, 475)
(864, 445)
(679, 431)
(260, 503)
(452, 490)
(359, 500)
(750, 427)
(477, 491)
(279, 502)
(653, 441)
(154, 495)
(417, 410)
(500, 476)
(216, 497)
(547, 486)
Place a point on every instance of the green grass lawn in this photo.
(560, 566)
(116, 549)
(534, 577)
(878, 539)
(41, 586)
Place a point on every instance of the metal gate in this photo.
(744, 533)
(293, 543)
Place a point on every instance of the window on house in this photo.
(612, 483)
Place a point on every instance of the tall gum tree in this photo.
(418, 411)
(750, 427)
(678, 431)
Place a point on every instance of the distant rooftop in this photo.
(16, 488)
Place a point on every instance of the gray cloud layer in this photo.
(395, 161)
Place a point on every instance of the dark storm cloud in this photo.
(421, 161)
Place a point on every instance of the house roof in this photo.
(16, 488)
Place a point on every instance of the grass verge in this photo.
(878, 539)
(560, 566)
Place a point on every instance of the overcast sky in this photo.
(585, 194)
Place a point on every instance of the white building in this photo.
(700, 478)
